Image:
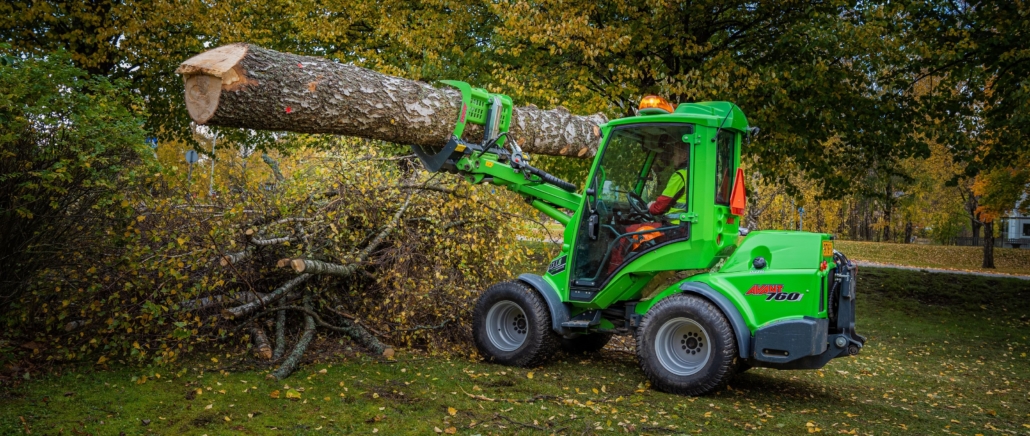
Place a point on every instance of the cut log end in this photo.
(202, 93)
(215, 62)
(388, 352)
(298, 265)
(207, 74)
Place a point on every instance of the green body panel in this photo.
(793, 266)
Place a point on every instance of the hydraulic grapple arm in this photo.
(496, 159)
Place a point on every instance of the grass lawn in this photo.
(1007, 260)
(947, 354)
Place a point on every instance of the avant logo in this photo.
(774, 293)
(765, 289)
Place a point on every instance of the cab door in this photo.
(615, 228)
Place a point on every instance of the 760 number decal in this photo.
(774, 293)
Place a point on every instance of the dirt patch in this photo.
(203, 420)
(506, 382)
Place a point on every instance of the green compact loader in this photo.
(654, 248)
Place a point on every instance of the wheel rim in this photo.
(506, 325)
(683, 347)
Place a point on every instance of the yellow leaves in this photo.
(274, 394)
(292, 394)
(452, 411)
(529, 375)
(812, 428)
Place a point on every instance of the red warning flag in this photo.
(738, 200)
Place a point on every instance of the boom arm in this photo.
(490, 161)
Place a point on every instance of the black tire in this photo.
(700, 370)
(539, 341)
(587, 343)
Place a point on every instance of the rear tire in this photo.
(686, 346)
(511, 325)
(587, 343)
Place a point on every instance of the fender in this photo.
(559, 311)
(732, 314)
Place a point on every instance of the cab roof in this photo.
(705, 113)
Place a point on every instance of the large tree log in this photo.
(246, 86)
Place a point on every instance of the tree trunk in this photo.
(246, 86)
(988, 244)
(908, 233)
(976, 231)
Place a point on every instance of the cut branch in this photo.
(233, 258)
(355, 331)
(318, 267)
(280, 335)
(264, 300)
(291, 362)
(272, 241)
(246, 86)
(261, 346)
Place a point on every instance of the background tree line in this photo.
(882, 119)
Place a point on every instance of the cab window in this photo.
(724, 167)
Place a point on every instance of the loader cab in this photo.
(682, 155)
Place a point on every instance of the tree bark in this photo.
(262, 348)
(246, 86)
(988, 244)
(266, 299)
(318, 267)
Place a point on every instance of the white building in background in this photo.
(1017, 234)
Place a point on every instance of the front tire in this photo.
(686, 346)
(511, 325)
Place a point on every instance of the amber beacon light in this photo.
(654, 104)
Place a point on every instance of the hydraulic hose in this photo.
(548, 178)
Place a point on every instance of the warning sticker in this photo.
(827, 248)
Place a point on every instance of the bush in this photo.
(67, 143)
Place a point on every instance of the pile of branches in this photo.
(387, 256)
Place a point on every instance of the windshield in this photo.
(640, 159)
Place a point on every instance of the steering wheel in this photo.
(638, 204)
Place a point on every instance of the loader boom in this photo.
(490, 161)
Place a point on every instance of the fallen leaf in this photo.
(292, 394)
(529, 375)
(274, 394)
(451, 411)
(451, 430)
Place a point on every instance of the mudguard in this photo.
(559, 311)
(740, 329)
